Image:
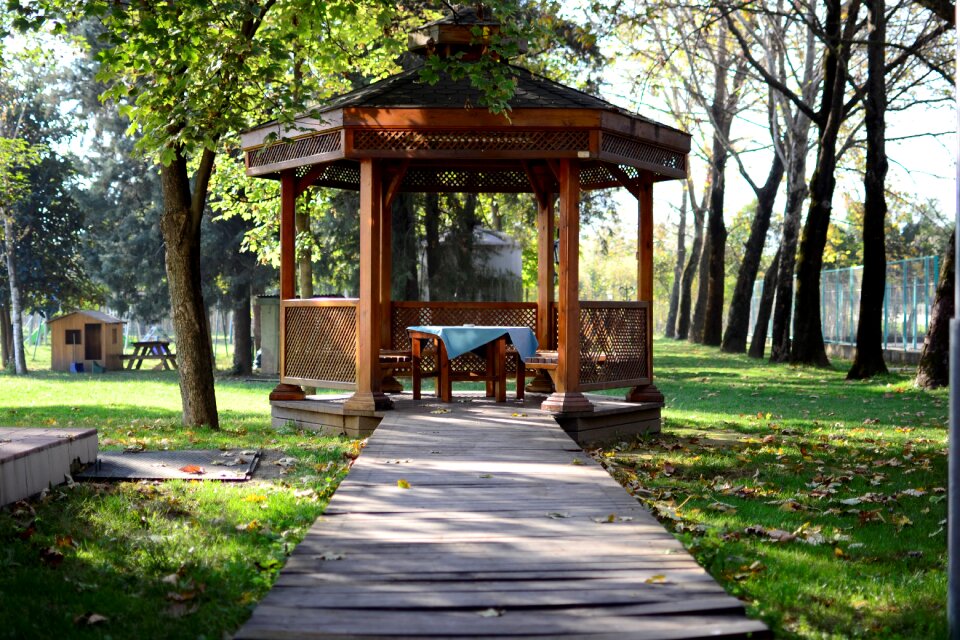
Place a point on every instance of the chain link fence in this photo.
(907, 303)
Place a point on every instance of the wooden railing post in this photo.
(288, 269)
(567, 398)
(546, 230)
(647, 393)
(369, 396)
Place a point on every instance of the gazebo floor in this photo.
(489, 522)
(610, 419)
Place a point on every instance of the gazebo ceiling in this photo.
(447, 142)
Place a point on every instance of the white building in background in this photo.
(498, 261)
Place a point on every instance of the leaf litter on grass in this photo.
(838, 497)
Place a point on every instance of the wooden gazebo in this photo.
(402, 135)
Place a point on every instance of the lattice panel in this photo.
(470, 181)
(321, 343)
(641, 152)
(463, 313)
(453, 140)
(613, 343)
(595, 176)
(302, 148)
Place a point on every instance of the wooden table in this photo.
(151, 350)
(495, 353)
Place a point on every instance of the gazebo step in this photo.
(34, 459)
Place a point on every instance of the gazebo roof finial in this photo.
(466, 29)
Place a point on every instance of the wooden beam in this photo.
(394, 185)
(568, 398)
(288, 274)
(385, 264)
(646, 393)
(645, 239)
(535, 186)
(310, 177)
(625, 180)
(288, 234)
(369, 396)
(546, 231)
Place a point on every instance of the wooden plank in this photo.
(496, 517)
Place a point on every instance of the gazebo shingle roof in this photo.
(407, 90)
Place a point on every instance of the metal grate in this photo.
(321, 342)
(454, 140)
(302, 148)
(613, 342)
(641, 152)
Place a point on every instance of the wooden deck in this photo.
(507, 530)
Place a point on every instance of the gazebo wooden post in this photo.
(646, 393)
(546, 230)
(567, 398)
(288, 274)
(368, 396)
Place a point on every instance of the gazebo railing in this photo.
(614, 345)
(319, 342)
(319, 338)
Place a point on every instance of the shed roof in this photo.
(99, 316)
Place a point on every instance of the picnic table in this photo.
(490, 342)
(151, 350)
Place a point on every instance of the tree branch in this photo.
(768, 77)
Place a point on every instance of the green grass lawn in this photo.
(157, 560)
(820, 502)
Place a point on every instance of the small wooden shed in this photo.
(86, 337)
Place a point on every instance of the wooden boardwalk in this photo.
(507, 530)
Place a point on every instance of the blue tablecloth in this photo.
(460, 339)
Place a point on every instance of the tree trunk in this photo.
(16, 310)
(703, 279)
(934, 368)
(868, 360)
(242, 338)
(6, 337)
(671, 331)
(807, 346)
(431, 226)
(796, 194)
(717, 244)
(759, 341)
(304, 254)
(686, 285)
(738, 318)
(405, 258)
(180, 224)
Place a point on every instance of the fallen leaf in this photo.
(331, 555)
(490, 613)
(557, 515)
(192, 468)
(89, 619)
(440, 411)
(657, 579)
(51, 557)
(577, 462)
(403, 484)
(722, 507)
(519, 415)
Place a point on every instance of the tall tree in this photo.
(690, 271)
(868, 360)
(671, 329)
(934, 368)
(759, 341)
